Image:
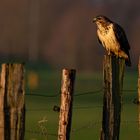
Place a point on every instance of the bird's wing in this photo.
(99, 39)
(121, 37)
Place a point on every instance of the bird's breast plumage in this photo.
(108, 38)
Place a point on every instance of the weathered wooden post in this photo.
(12, 107)
(67, 89)
(139, 117)
(139, 81)
(113, 84)
(138, 100)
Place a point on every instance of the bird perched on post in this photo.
(113, 38)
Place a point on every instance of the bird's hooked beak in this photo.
(94, 19)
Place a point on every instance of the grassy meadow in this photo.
(87, 108)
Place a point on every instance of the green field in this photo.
(87, 108)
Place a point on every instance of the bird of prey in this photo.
(113, 38)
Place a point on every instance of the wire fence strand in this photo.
(88, 125)
(76, 94)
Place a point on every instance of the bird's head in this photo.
(101, 20)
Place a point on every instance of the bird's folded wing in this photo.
(121, 37)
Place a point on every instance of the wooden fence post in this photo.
(12, 107)
(139, 117)
(65, 117)
(113, 84)
(138, 100)
(139, 82)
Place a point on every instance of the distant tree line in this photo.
(61, 32)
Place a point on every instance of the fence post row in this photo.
(113, 72)
(12, 106)
(65, 117)
(12, 103)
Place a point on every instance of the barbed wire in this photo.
(77, 94)
(87, 107)
(7, 112)
(89, 92)
(55, 95)
(75, 108)
(42, 95)
(52, 108)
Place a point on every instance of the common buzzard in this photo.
(113, 38)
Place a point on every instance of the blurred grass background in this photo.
(87, 108)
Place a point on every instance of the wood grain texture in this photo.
(113, 73)
(12, 106)
(65, 117)
(139, 81)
